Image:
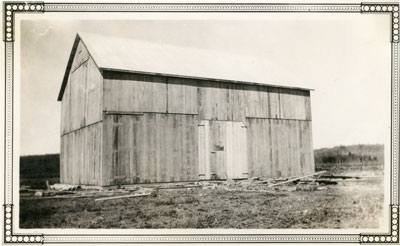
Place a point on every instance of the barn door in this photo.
(204, 150)
(120, 155)
(236, 150)
(222, 150)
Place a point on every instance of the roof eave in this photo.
(68, 68)
(204, 78)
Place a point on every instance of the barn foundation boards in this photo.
(138, 112)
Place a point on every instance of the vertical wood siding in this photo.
(182, 96)
(235, 102)
(66, 110)
(127, 92)
(150, 147)
(82, 100)
(78, 97)
(81, 156)
(163, 142)
(124, 92)
(94, 93)
(204, 150)
(217, 145)
(81, 129)
(236, 150)
(222, 150)
(279, 147)
(81, 56)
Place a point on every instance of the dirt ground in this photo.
(349, 204)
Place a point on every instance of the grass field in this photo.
(346, 205)
(349, 204)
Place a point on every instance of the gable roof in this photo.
(130, 55)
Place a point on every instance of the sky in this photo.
(345, 58)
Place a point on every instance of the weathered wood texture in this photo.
(279, 147)
(81, 156)
(182, 96)
(134, 92)
(222, 150)
(235, 102)
(128, 92)
(236, 150)
(82, 100)
(149, 131)
(204, 149)
(149, 148)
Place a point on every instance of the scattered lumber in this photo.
(315, 179)
(248, 191)
(56, 197)
(119, 197)
(91, 187)
(298, 178)
(270, 180)
(64, 187)
(339, 177)
(263, 182)
(46, 193)
(178, 187)
(38, 193)
(326, 182)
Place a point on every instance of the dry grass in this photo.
(346, 205)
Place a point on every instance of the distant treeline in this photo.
(352, 153)
(350, 158)
(40, 166)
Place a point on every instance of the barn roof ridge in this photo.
(118, 57)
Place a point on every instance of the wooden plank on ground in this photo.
(119, 197)
(297, 178)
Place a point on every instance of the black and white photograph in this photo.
(134, 121)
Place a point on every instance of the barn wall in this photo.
(279, 125)
(160, 142)
(82, 100)
(150, 147)
(279, 147)
(182, 96)
(80, 158)
(127, 92)
(235, 102)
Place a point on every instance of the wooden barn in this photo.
(137, 112)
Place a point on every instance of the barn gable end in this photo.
(81, 120)
(82, 95)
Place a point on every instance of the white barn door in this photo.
(222, 150)
(204, 150)
(236, 150)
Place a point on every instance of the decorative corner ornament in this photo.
(17, 7)
(392, 237)
(392, 9)
(9, 237)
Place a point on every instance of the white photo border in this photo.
(10, 9)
